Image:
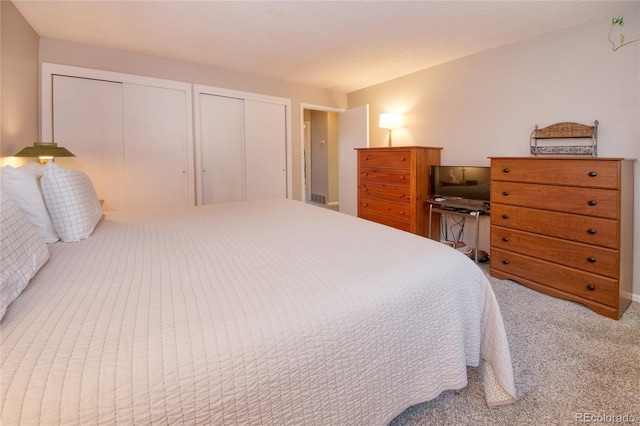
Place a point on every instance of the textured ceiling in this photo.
(336, 45)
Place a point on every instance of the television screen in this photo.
(461, 182)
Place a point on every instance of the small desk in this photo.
(468, 211)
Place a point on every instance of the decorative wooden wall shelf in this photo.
(550, 140)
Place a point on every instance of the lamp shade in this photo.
(44, 149)
(390, 120)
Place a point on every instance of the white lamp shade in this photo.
(390, 120)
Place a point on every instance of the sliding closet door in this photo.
(241, 145)
(222, 149)
(265, 146)
(87, 120)
(131, 134)
(156, 141)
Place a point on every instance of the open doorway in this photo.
(352, 133)
(321, 162)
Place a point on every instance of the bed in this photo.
(266, 312)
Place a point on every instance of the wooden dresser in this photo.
(564, 227)
(393, 184)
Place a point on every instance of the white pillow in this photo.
(23, 253)
(72, 202)
(22, 185)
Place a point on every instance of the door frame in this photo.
(313, 107)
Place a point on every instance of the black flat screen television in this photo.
(463, 183)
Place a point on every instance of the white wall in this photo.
(487, 104)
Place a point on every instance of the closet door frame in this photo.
(198, 90)
(46, 118)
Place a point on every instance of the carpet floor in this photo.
(571, 366)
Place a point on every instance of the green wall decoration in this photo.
(619, 21)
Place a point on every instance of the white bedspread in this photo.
(250, 313)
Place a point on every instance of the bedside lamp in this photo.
(45, 151)
(390, 120)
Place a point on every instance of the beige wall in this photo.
(59, 52)
(19, 82)
(487, 104)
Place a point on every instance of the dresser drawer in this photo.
(403, 226)
(395, 211)
(397, 158)
(583, 284)
(594, 259)
(591, 230)
(583, 173)
(585, 201)
(398, 194)
(400, 177)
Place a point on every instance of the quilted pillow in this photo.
(23, 253)
(72, 202)
(22, 185)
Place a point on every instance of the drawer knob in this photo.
(403, 159)
(365, 204)
(593, 174)
(591, 259)
(401, 213)
(402, 177)
(591, 287)
(505, 193)
(592, 202)
(505, 239)
(506, 261)
(591, 231)
(506, 170)
(505, 216)
(365, 174)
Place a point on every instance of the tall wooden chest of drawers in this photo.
(564, 227)
(393, 184)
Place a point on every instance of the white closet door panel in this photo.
(156, 147)
(265, 146)
(222, 140)
(87, 120)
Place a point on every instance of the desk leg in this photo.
(433, 227)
